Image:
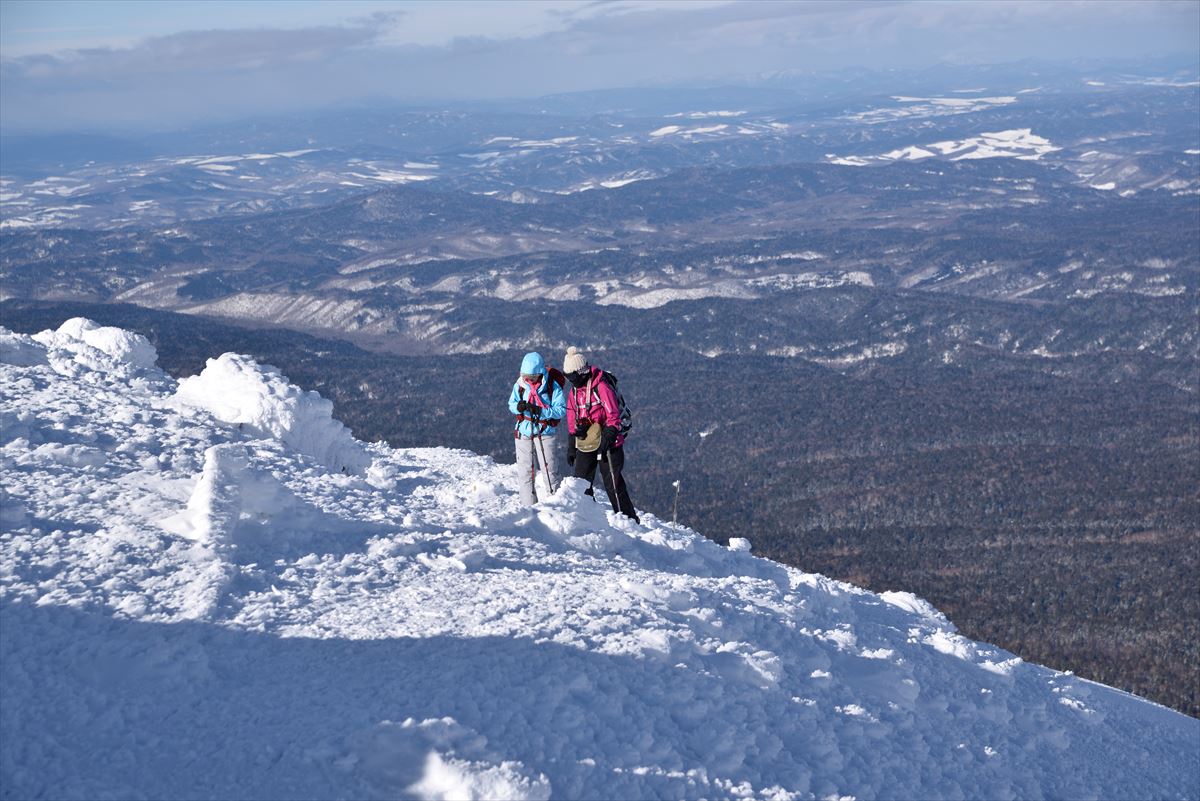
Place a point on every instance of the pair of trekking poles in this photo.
(541, 446)
(612, 473)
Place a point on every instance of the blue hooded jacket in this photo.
(554, 402)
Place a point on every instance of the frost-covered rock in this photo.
(80, 342)
(258, 398)
(189, 609)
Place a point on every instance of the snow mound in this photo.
(440, 760)
(194, 609)
(82, 343)
(581, 522)
(237, 390)
(918, 606)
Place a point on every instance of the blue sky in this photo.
(90, 64)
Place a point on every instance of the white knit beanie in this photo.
(574, 361)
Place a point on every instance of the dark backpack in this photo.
(622, 407)
(557, 377)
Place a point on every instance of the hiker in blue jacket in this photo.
(538, 401)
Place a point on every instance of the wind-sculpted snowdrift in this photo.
(199, 602)
(235, 389)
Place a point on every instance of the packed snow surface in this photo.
(198, 602)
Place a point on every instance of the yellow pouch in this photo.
(591, 442)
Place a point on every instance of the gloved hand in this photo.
(571, 451)
(533, 411)
(607, 438)
(521, 407)
(581, 429)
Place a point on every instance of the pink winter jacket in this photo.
(594, 402)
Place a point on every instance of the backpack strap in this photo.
(541, 422)
(556, 377)
(520, 417)
(593, 392)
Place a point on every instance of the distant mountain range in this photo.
(422, 269)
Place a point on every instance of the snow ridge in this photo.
(235, 389)
(197, 601)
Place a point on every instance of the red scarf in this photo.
(534, 397)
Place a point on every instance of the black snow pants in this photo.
(609, 465)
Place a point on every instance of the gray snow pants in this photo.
(531, 452)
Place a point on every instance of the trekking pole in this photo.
(533, 468)
(613, 474)
(546, 465)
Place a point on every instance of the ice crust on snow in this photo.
(195, 609)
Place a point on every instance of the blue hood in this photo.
(533, 364)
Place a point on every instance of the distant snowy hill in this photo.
(211, 590)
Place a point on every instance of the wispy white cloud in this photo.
(193, 51)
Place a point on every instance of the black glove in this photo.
(521, 407)
(607, 437)
(571, 451)
(533, 411)
(581, 429)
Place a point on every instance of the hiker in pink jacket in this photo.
(594, 426)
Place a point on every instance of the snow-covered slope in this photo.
(1021, 144)
(210, 590)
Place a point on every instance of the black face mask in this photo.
(579, 378)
